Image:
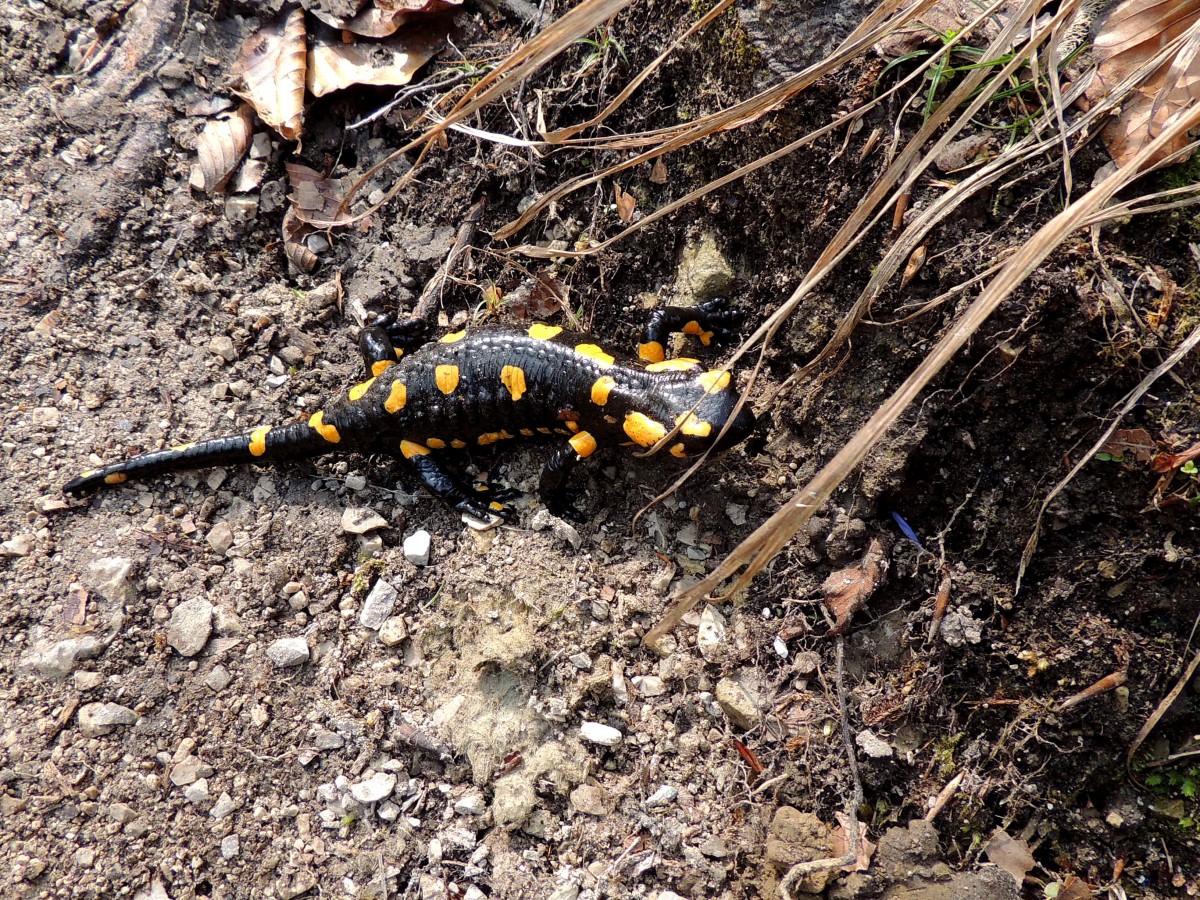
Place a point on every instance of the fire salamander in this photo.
(478, 387)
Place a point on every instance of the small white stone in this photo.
(288, 652)
(374, 789)
(604, 735)
(470, 805)
(361, 519)
(416, 547)
(230, 846)
(873, 745)
(197, 791)
(96, 719)
(223, 807)
(393, 632)
(662, 796)
(388, 811)
(19, 545)
(649, 685)
(378, 605)
(710, 636)
(218, 679)
(220, 538)
(356, 482)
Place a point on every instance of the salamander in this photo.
(479, 386)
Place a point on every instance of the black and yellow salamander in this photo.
(480, 386)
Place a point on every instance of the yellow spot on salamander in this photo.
(409, 449)
(697, 329)
(258, 441)
(689, 424)
(643, 430)
(435, 444)
(544, 431)
(573, 426)
(458, 443)
(584, 444)
(492, 437)
(596, 352)
(446, 378)
(714, 381)
(602, 387)
(652, 352)
(116, 478)
(679, 450)
(454, 337)
(358, 390)
(398, 351)
(682, 364)
(329, 432)
(179, 448)
(527, 432)
(513, 378)
(397, 398)
(497, 506)
(378, 368)
(542, 332)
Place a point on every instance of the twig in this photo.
(798, 871)
(944, 796)
(1163, 706)
(432, 294)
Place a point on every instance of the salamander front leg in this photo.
(715, 319)
(449, 489)
(559, 498)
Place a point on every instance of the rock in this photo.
(378, 605)
(714, 848)
(197, 791)
(356, 482)
(710, 636)
(704, 272)
(47, 417)
(88, 681)
(288, 652)
(737, 704)
(369, 544)
(872, 745)
(96, 719)
(222, 346)
(393, 632)
(649, 685)
(795, 837)
(122, 813)
(664, 795)
(591, 799)
(241, 209)
(323, 739)
(112, 577)
(223, 807)
(189, 770)
(18, 545)
(605, 736)
(230, 846)
(470, 805)
(361, 519)
(416, 547)
(218, 679)
(59, 659)
(220, 538)
(512, 801)
(190, 626)
(581, 661)
(736, 513)
(374, 789)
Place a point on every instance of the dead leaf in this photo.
(270, 73)
(537, 298)
(658, 172)
(333, 66)
(1075, 888)
(626, 204)
(384, 18)
(1168, 462)
(294, 233)
(1134, 32)
(846, 590)
(840, 841)
(1009, 854)
(219, 149)
(314, 197)
(915, 261)
(1130, 443)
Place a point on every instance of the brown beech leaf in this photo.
(333, 65)
(846, 590)
(384, 18)
(1128, 39)
(219, 149)
(314, 197)
(658, 172)
(626, 204)
(841, 844)
(294, 233)
(537, 298)
(1009, 854)
(270, 73)
(1130, 443)
(1167, 462)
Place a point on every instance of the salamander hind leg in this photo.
(713, 320)
(481, 505)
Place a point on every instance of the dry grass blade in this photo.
(769, 538)
(271, 66)
(737, 115)
(562, 134)
(1159, 711)
(521, 63)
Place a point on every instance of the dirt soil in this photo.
(192, 706)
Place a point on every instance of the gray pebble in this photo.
(374, 788)
(378, 605)
(190, 626)
(220, 538)
(737, 704)
(661, 797)
(356, 482)
(122, 813)
(230, 846)
(223, 807)
(218, 679)
(416, 547)
(604, 735)
(88, 681)
(197, 791)
(112, 576)
(96, 719)
(470, 805)
(58, 660)
(361, 519)
(288, 652)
